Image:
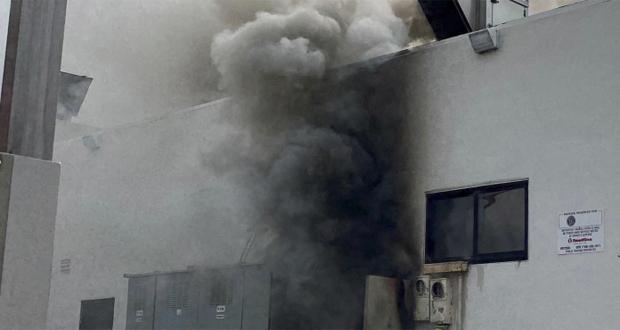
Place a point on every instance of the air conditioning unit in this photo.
(422, 294)
(441, 301)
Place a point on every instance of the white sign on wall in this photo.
(581, 232)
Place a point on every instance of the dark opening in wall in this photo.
(97, 314)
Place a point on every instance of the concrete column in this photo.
(28, 202)
(31, 74)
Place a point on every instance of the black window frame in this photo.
(480, 258)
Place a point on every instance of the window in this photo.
(479, 225)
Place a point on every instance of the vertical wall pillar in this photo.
(28, 201)
(31, 74)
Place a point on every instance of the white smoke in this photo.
(301, 39)
(295, 44)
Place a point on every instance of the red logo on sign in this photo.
(579, 240)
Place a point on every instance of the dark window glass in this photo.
(483, 224)
(451, 228)
(501, 221)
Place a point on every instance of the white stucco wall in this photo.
(144, 201)
(544, 107)
(539, 6)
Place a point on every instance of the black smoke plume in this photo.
(316, 154)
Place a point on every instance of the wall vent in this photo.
(178, 296)
(65, 266)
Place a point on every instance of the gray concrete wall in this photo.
(138, 199)
(544, 107)
(26, 271)
(31, 79)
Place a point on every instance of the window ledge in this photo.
(446, 267)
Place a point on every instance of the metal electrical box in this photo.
(422, 311)
(223, 299)
(141, 303)
(441, 301)
(175, 301)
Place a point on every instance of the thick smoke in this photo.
(322, 185)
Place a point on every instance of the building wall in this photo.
(138, 199)
(133, 199)
(539, 6)
(544, 107)
(28, 200)
(149, 58)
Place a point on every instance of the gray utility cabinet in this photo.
(223, 299)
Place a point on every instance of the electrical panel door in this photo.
(256, 298)
(221, 301)
(141, 303)
(175, 302)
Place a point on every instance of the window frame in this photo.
(475, 191)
